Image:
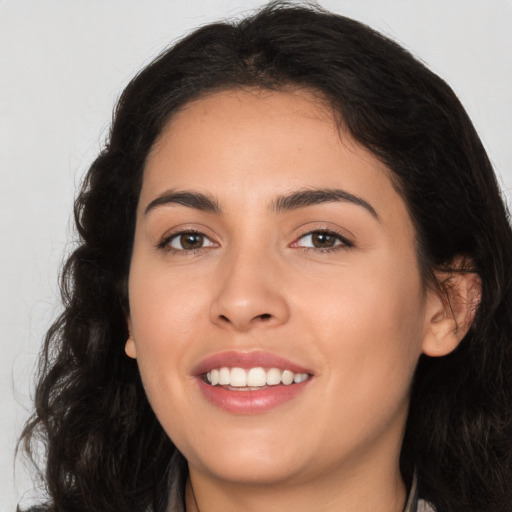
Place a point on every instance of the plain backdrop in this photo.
(63, 63)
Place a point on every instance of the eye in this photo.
(322, 240)
(187, 241)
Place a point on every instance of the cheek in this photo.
(368, 325)
(163, 319)
(369, 336)
(165, 312)
(163, 302)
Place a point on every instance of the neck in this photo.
(353, 491)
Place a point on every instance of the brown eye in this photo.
(323, 240)
(189, 241)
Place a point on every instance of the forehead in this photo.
(260, 143)
(258, 115)
(251, 127)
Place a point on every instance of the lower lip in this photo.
(252, 401)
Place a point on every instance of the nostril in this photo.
(263, 316)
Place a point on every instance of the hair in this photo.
(105, 449)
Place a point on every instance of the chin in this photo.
(256, 459)
(249, 470)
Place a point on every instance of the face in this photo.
(270, 249)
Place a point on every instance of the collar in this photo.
(178, 473)
(414, 502)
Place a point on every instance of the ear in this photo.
(450, 310)
(130, 348)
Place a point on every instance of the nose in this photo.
(249, 295)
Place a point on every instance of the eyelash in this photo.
(344, 244)
(165, 243)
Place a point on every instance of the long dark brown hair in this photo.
(105, 450)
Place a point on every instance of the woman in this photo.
(293, 287)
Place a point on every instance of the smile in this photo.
(250, 382)
(253, 378)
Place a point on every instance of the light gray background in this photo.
(63, 64)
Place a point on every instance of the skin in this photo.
(358, 315)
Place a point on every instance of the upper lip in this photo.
(247, 360)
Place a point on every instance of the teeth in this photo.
(238, 378)
(224, 376)
(274, 376)
(299, 377)
(254, 377)
(287, 377)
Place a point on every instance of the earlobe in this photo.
(450, 311)
(129, 347)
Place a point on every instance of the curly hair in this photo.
(105, 450)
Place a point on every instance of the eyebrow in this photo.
(194, 200)
(283, 203)
(310, 197)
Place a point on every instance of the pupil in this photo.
(191, 241)
(322, 240)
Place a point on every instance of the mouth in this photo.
(252, 379)
(250, 382)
